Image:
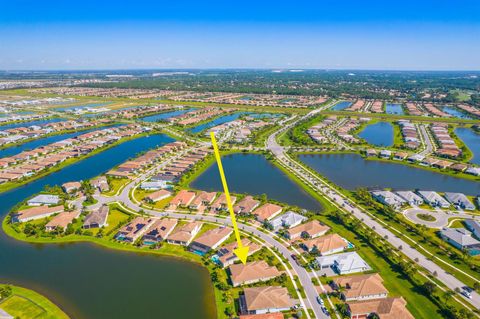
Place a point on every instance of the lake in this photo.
(378, 134)
(341, 105)
(352, 171)
(31, 123)
(215, 122)
(472, 140)
(394, 108)
(254, 174)
(163, 116)
(455, 112)
(90, 282)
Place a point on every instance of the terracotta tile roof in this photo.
(361, 285)
(267, 211)
(313, 228)
(385, 308)
(62, 220)
(40, 210)
(252, 272)
(259, 298)
(211, 237)
(275, 315)
(327, 243)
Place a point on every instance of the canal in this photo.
(341, 105)
(163, 116)
(215, 122)
(352, 171)
(254, 174)
(30, 123)
(90, 282)
(472, 141)
(378, 134)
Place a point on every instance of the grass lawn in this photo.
(115, 185)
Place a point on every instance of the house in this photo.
(310, 229)
(326, 245)
(134, 229)
(385, 153)
(473, 226)
(210, 240)
(101, 183)
(267, 211)
(221, 202)
(159, 230)
(384, 308)
(459, 200)
(203, 199)
(182, 199)
(252, 272)
(434, 199)
(473, 171)
(71, 187)
(225, 255)
(157, 196)
(344, 263)
(154, 185)
(246, 205)
(389, 198)
(33, 213)
(44, 199)
(260, 300)
(61, 221)
(287, 220)
(361, 287)
(97, 218)
(275, 315)
(461, 239)
(415, 158)
(410, 197)
(184, 234)
(371, 152)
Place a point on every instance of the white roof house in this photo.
(288, 220)
(389, 198)
(459, 199)
(344, 263)
(462, 239)
(155, 185)
(44, 199)
(473, 226)
(434, 199)
(385, 153)
(473, 171)
(416, 158)
(410, 197)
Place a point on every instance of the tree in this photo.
(429, 287)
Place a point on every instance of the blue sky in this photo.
(414, 35)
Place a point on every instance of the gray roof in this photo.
(473, 226)
(459, 235)
(287, 219)
(431, 197)
(45, 199)
(345, 262)
(98, 216)
(409, 196)
(459, 199)
(389, 198)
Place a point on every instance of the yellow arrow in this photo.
(241, 252)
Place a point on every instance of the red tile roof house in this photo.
(221, 203)
(184, 234)
(33, 213)
(260, 300)
(252, 272)
(311, 229)
(246, 205)
(71, 187)
(275, 315)
(385, 308)
(203, 200)
(210, 240)
(267, 212)
(182, 199)
(361, 287)
(159, 231)
(134, 230)
(61, 221)
(226, 256)
(326, 245)
(157, 196)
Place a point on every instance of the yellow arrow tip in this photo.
(242, 253)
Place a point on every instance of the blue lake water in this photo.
(215, 122)
(352, 171)
(80, 107)
(341, 105)
(88, 281)
(254, 174)
(163, 116)
(31, 123)
(472, 140)
(455, 112)
(394, 108)
(378, 134)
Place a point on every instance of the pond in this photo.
(378, 134)
(341, 105)
(394, 108)
(472, 141)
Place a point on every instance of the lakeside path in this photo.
(342, 203)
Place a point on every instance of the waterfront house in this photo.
(385, 153)
(461, 239)
(134, 229)
(97, 218)
(400, 156)
(220, 204)
(44, 199)
(344, 263)
(183, 235)
(473, 226)
(225, 255)
(246, 205)
(260, 300)
(159, 230)
(154, 185)
(157, 196)
(287, 220)
(473, 171)
(252, 272)
(410, 197)
(61, 221)
(210, 240)
(267, 211)
(326, 245)
(71, 187)
(459, 200)
(415, 158)
(182, 199)
(434, 199)
(101, 184)
(371, 152)
(203, 200)
(33, 213)
(389, 198)
(310, 229)
(385, 308)
(361, 287)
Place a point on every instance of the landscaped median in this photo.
(24, 303)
